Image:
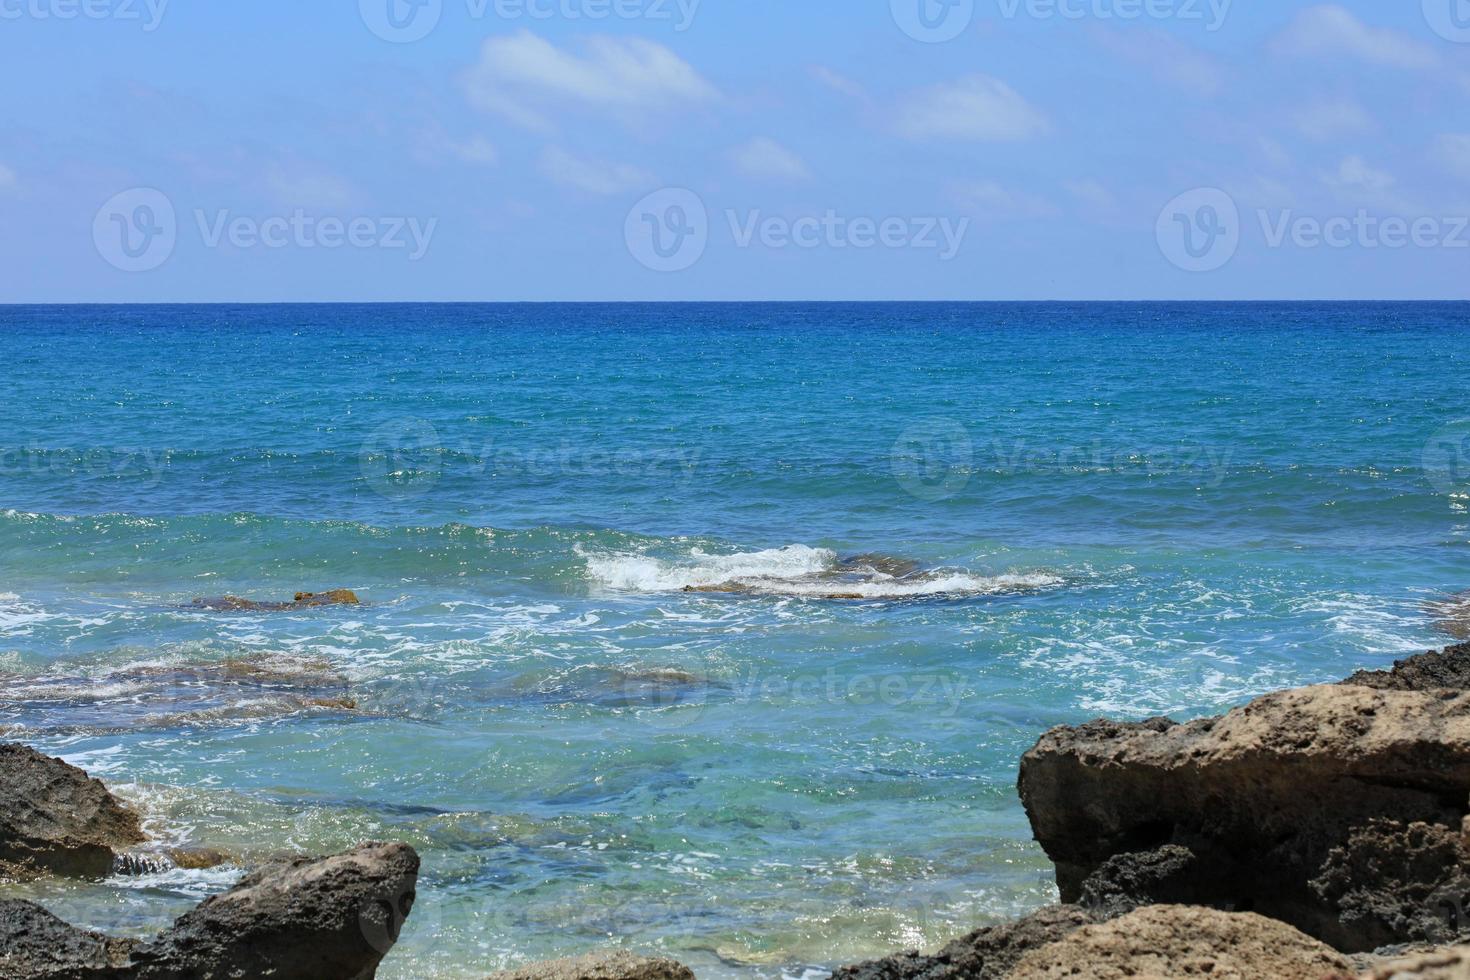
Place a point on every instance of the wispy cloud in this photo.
(1171, 61)
(766, 159)
(592, 176)
(8, 179)
(977, 108)
(1329, 30)
(526, 79)
(990, 200)
(1452, 152)
(837, 82)
(1330, 119)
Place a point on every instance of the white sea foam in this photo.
(796, 570)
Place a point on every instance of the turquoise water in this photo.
(1109, 509)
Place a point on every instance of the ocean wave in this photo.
(800, 571)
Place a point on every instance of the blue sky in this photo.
(733, 149)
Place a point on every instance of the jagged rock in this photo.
(55, 818)
(1441, 964)
(1447, 669)
(1171, 941)
(985, 954)
(331, 918)
(36, 945)
(618, 965)
(1261, 796)
(303, 600)
(169, 858)
(1125, 882)
(1389, 881)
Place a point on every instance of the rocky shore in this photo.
(1321, 833)
(1314, 833)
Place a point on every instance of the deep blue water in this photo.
(1128, 509)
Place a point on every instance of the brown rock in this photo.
(985, 954)
(1171, 942)
(55, 818)
(1444, 964)
(617, 965)
(36, 945)
(1260, 796)
(331, 918)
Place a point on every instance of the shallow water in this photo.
(1120, 509)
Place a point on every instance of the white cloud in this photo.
(1090, 192)
(8, 180)
(764, 158)
(1332, 119)
(1355, 182)
(1354, 172)
(592, 176)
(1329, 30)
(992, 201)
(435, 146)
(975, 108)
(840, 84)
(526, 79)
(1452, 151)
(476, 150)
(297, 184)
(1170, 60)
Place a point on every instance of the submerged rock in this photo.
(1175, 941)
(1451, 615)
(303, 600)
(618, 965)
(985, 954)
(1271, 801)
(36, 945)
(55, 818)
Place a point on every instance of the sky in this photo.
(549, 150)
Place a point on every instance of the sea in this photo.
(715, 631)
